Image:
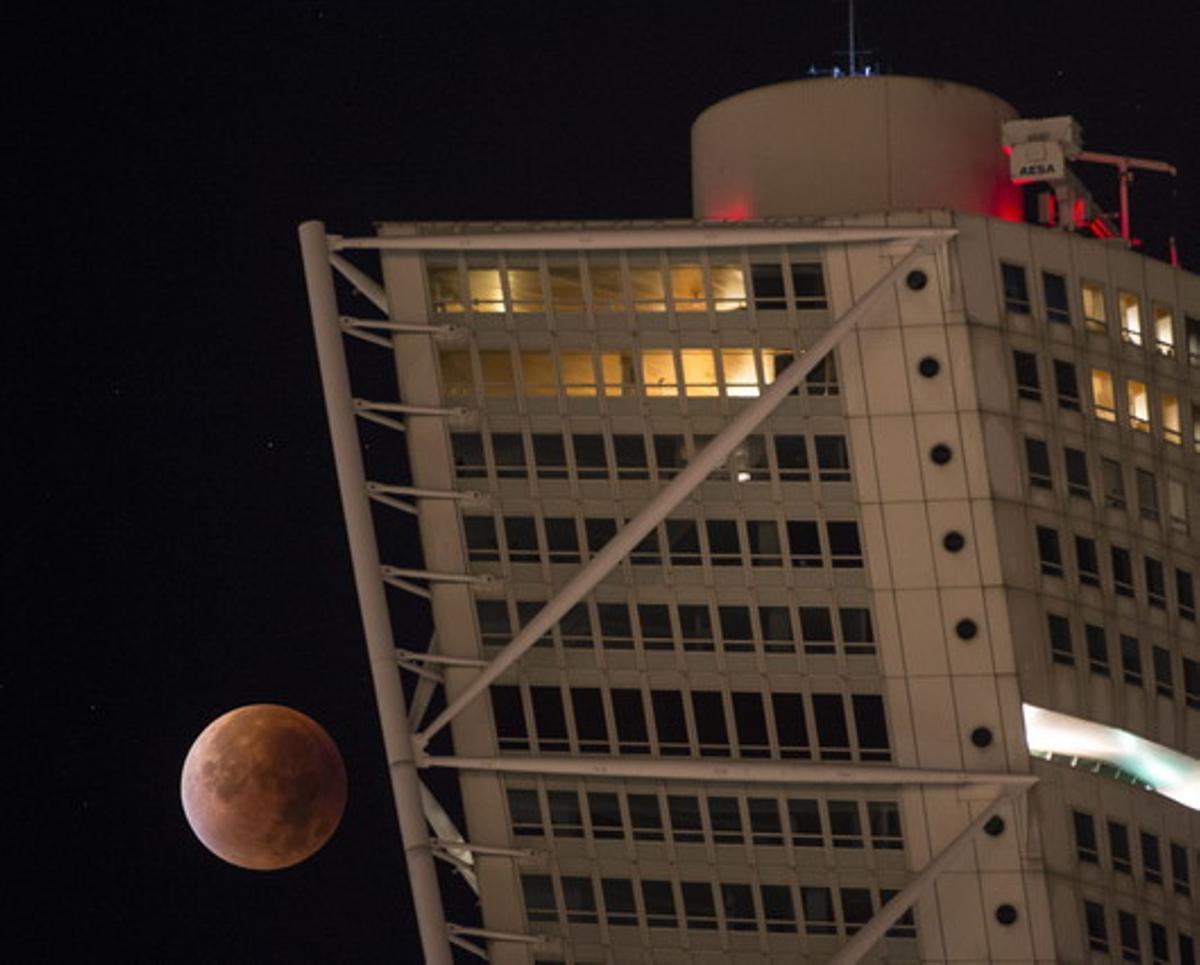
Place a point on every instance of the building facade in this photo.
(965, 535)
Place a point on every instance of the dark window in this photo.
(580, 900)
(776, 624)
(524, 812)
(1127, 926)
(751, 724)
(791, 455)
(591, 461)
(538, 891)
(645, 817)
(906, 924)
(818, 911)
(1151, 859)
(633, 737)
(1187, 947)
(1191, 683)
(1164, 682)
(870, 723)
(790, 726)
(1179, 869)
(1049, 551)
(1097, 928)
(1097, 648)
(1131, 660)
(630, 453)
(566, 816)
(619, 906)
(1118, 846)
(1054, 287)
(736, 633)
(1122, 564)
(695, 627)
(1087, 561)
(710, 723)
(1037, 455)
(778, 909)
(857, 908)
(655, 622)
(647, 552)
(816, 627)
(1061, 649)
(767, 284)
(845, 826)
(509, 451)
(549, 455)
(1086, 848)
(808, 284)
(844, 545)
(1147, 494)
(605, 811)
(833, 735)
(804, 542)
(669, 454)
(1159, 952)
(659, 901)
(590, 726)
(1114, 483)
(725, 819)
(686, 827)
(1026, 369)
(833, 458)
(549, 718)
(804, 818)
(495, 628)
(884, 818)
(599, 532)
(483, 545)
(683, 542)
(521, 536)
(1185, 594)
(858, 636)
(1192, 335)
(526, 611)
(738, 903)
(822, 380)
(698, 906)
(763, 537)
(1016, 289)
(765, 825)
(616, 627)
(1075, 461)
(562, 539)
(508, 712)
(469, 461)
(724, 547)
(1156, 583)
(1066, 385)
(669, 722)
(749, 460)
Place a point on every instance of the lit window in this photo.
(699, 372)
(1054, 287)
(525, 289)
(487, 295)
(457, 375)
(1037, 455)
(729, 287)
(1129, 310)
(445, 288)
(646, 282)
(1164, 330)
(1016, 289)
(1139, 405)
(566, 287)
(1104, 398)
(741, 374)
(607, 290)
(658, 372)
(1026, 369)
(687, 288)
(1094, 315)
(1172, 425)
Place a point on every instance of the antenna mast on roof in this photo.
(853, 60)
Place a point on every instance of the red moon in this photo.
(263, 787)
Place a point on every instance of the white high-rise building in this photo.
(925, 615)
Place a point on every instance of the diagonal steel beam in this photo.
(707, 460)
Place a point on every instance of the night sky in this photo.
(179, 545)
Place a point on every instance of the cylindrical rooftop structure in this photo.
(852, 145)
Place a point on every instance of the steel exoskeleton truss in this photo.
(415, 805)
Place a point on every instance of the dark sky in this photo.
(179, 545)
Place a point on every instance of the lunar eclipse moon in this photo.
(263, 787)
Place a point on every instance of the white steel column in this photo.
(364, 555)
(707, 460)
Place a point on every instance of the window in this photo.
(1097, 649)
(1061, 649)
(549, 455)
(791, 729)
(1185, 594)
(469, 461)
(1147, 493)
(633, 736)
(604, 808)
(1094, 315)
(1118, 846)
(884, 820)
(1196, 426)
(766, 280)
(1114, 483)
(1191, 683)
(804, 817)
(1122, 566)
(483, 545)
(699, 910)
(845, 826)
(580, 900)
(1026, 370)
(686, 827)
(804, 543)
(857, 908)
(549, 718)
(607, 290)
(906, 925)
(1139, 405)
(616, 627)
(822, 380)
(1075, 461)
(647, 552)
(724, 547)
(1177, 513)
(858, 636)
(776, 624)
(521, 535)
(1016, 289)
(1164, 329)
(645, 817)
(1037, 456)
(591, 461)
(751, 723)
(1127, 926)
(658, 898)
(818, 911)
(655, 622)
(524, 812)
(725, 819)
(630, 453)
(1104, 398)
(808, 284)
(870, 725)
(669, 722)
(1049, 551)
(738, 904)
(538, 891)
(1087, 562)
(833, 734)
(1164, 680)
(1066, 385)
(1187, 950)
(845, 549)
(765, 826)
(1192, 333)
(1054, 288)
(763, 537)
(791, 456)
(1156, 583)
(562, 542)
(590, 725)
(736, 633)
(495, 628)
(833, 458)
(1129, 310)
(1131, 660)
(1151, 859)
(1172, 426)
(1179, 869)
(669, 455)
(683, 542)
(1159, 953)
(778, 910)
(1086, 848)
(618, 901)
(710, 723)
(1097, 928)
(508, 713)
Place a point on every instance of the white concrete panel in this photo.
(897, 463)
(935, 725)
(909, 552)
(922, 637)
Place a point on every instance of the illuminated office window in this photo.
(1095, 316)
(646, 284)
(1129, 310)
(699, 371)
(566, 286)
(1172, 421)
(445, 288)
(525, 289)
(608, 292)
(487, 293)
(741, 373)
(659, 373)
(578, 376)
(1164, 329)
(729, 287)
(687, 288)
(539, 378)
(1139, 405)
(1104, 397)
(458, 378)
